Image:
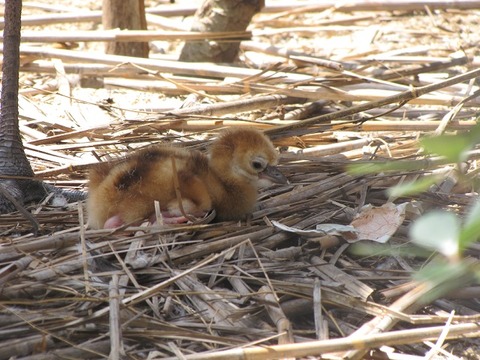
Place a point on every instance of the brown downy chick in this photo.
(239, 162)
(123, 192)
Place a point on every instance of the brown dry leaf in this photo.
(378, 223)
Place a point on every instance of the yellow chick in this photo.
(239, 161)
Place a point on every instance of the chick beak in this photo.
(272, 174)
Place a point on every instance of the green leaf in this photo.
(452, 147)
(471, 229)
(444, 277)
(413, 187)
(438, 230)
(474, 134)
(362, 168)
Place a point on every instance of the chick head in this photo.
(246, 155)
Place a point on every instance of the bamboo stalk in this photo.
(323, 347)
(171, 10)
(181, 10)
(204, 69)
(350, 6)
(127, 35)
(290, 54)
(410, 301)
(402, 97)
(208, 125)
(313, 93)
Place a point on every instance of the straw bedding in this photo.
(356, 86)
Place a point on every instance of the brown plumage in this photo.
(227, 180)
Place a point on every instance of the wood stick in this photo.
(323, 347)
(290, 54)
(187, 68)
(364, 92)
(402, 97)
(116, 35)
(411, 125)
(171, 10)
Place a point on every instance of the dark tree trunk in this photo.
(215, 16)
(125, 14)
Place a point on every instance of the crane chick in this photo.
(239, 161)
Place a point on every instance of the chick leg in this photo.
(113, 222)
(169, 218)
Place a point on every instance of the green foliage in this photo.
(445, 277)
(376, 167)
(413, 187)
(471, 230)
(439, 231)
(453, 147)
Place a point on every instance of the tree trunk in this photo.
(219, 15)
(125, 14)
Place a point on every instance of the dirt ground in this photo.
(331, 86)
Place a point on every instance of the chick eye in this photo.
(257, 165)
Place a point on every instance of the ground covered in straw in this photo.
(331, 86)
